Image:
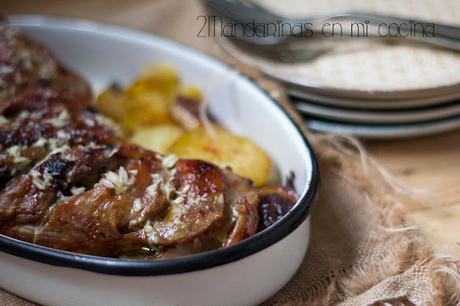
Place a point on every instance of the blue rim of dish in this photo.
(205, 260)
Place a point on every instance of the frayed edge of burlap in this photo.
(396, 246)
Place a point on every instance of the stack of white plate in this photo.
(378, 114)
(370, 88)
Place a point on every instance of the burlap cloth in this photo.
(362, 251)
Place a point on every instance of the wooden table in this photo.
(431, 163)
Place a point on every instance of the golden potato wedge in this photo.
(191, 92)
(162, 79)
(149, 98)
(157, 138)
(111, 102)
(146, 109)
(225, 149)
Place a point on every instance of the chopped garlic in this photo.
(23, 114)
(60, 120)
(178, 201)
(152, 189)
(148, 228)
(62, 135)
(40, 142)
(4, 69)
(185, 189)
(40, 182)
(77, 190)
(169, 161)
(137, 205)
(195, 199)
(61, 197)
(221, 198)
(108, 123)
(169, 187)
(118, 181)
(3, 120)
(55, 149)
(151, 233)
(15, 152)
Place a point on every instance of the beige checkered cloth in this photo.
(362, 251)
(371, 64)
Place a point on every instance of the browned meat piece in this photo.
(241, 199)
(275, 201)
(95, 221)
(148, 203)
(27, 198)
(22, 202)
(28, 68)
(39, 99)
(194, 195)
(197, 204)
(28, 137)
(92, 221)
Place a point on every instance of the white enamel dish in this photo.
(245, 274)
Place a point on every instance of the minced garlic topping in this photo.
(137, 205)
(169, 188)
(60, 120)
(108, 123)
(40, 142)
(152, 189)
(169, 161)
(39, 181)
(151, 233)
(15, 152)
(24, 114)
(3, 120)
(63, 135)
(77, 190)
(119, 181)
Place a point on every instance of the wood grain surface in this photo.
(431, 164)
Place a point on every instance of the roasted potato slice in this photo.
(150, 96)
(191, 92)
(243, 156)
(111, 102)
(157, 138)
(147, 109)
(162, 79)
(147, 101)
